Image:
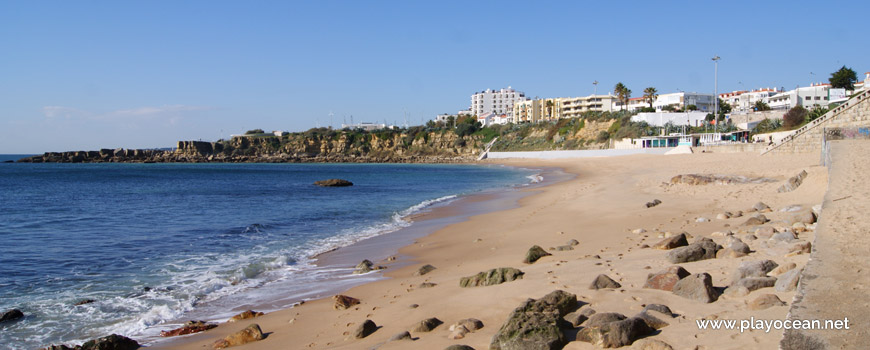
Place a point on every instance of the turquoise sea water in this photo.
(155, 242)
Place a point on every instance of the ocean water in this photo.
(151, 243)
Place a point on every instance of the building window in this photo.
(808, 98)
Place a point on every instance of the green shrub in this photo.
(794, 118)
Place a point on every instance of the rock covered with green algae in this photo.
(536, 324)
(491, 277)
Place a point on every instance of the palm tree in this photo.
(621, 92)
(650, 94)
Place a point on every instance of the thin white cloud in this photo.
(62, 112)
(146, 111)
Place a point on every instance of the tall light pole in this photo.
(716, 93)
(595, 83)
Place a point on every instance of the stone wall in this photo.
(733, 148)
(808, 139)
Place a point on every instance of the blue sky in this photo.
(84, 75)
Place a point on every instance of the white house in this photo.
(497, 102)
(808, 96)
(659, 119)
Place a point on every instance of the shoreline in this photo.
(379, 248)
(599, 206)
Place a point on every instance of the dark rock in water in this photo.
(535, 324)
(84, 301)
(250, 334)
(655, 202)
(112, 342)
(604, 282)
(11, 315)
(8, 161)
(535, 253)
(616, 334)
(401, 336)
(427, 325)
(424, 270)
(666, 279)
(333, 183)
(189, 328)
(697, 287)
(458, 347)
(343, 302)
(491, 277)
(363, 267)
(365, 329)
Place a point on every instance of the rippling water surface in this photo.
(153, 242)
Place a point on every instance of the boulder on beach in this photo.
(250, 334)
(615, 334)
(654, 319)
(672, 242)
(602, 281)
(697, 287)
(424, 270)
(111, 342)
(491, 277)
(659, 308)
(333, 183)
(703, 248)
(535, 253)
(365, 329)
(343, 302)
(471, 324)
(754, 268)
(650, 344)
(364, 266)
(534, 325)
(11, 315)
(427, 325)
(749, 284)
(401, 336)
(666, 279)
(793, 183)
(458, 347)
(245, 315)
(603, 318)
(189, 327)
(765, 301)
(788, 281)
(654, 202)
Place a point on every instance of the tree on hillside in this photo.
(650, 94)
(794, 117)
(254, 131)
(549, 109)
(692, 107)
(724, 107)
(844, 78)
(761, 106)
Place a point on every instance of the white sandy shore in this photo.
(599, 208)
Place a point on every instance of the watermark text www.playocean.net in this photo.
(753, 324)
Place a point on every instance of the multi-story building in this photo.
(744, 101)
(533, 111)
(498, 102)
(681, 100)
(808, 96)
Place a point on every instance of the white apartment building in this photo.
(744, 101)
(570, 107)
(680, 100)
(498, 102)
(808, 96)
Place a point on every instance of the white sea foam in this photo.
(535, 178)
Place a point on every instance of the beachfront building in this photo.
(681, 100)
(808, 96)
(488, 119)
(659, 119)
(744, 101)
(571, 107)
(496, 101)
(528, 111)
(533, 111)
(367, 126)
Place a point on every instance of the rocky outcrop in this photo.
(11, 315)
(111, 342)
(250, 334)
(705, 179)
(491, 277)
(189, 327)
(535, 253)
(535, 324)
(333, 183)
(424, 270)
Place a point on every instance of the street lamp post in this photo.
(595, 83)
(716, 93)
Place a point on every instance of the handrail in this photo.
(830, 115)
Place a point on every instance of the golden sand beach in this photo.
(603, 208)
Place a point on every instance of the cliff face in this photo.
(326, 146)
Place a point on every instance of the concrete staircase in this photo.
(486, 149)
(808, 138)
